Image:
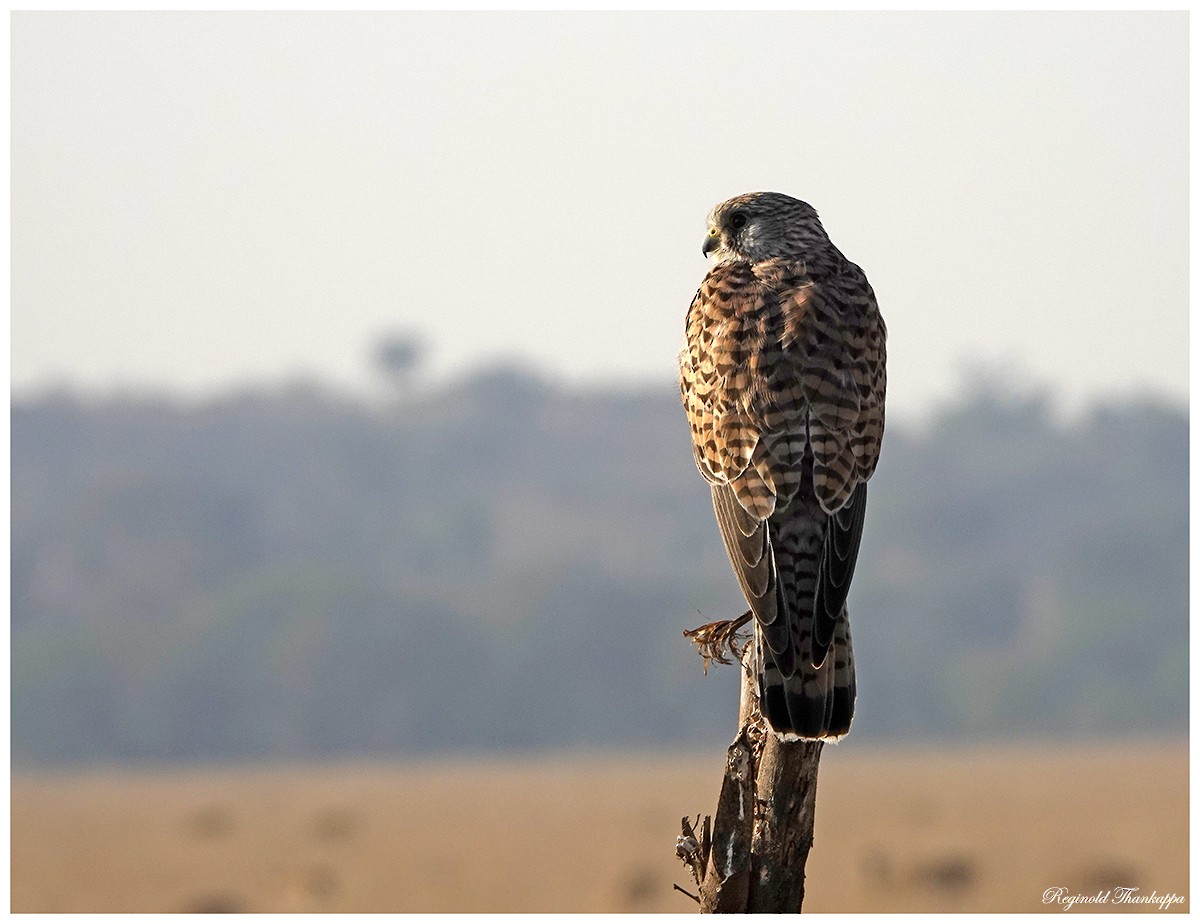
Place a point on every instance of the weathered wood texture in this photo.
(753, 859)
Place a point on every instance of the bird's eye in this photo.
(737, 220)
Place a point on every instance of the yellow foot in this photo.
(718, 639)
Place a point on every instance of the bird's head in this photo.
(759, 226)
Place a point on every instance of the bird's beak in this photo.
(712, 241)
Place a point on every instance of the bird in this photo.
(783, 377)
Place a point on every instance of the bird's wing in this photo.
(840, 346)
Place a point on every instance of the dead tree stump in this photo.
(750, 858)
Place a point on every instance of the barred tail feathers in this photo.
(812, 702)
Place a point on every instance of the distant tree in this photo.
(397, 355)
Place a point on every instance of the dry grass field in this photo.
(986, 829)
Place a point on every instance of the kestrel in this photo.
(783, 378)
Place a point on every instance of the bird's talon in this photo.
(716, 640)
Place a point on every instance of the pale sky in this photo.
(205, 200)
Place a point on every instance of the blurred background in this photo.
(354, 521)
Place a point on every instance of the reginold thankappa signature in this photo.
(1128, 895)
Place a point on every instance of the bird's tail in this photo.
(811, 702)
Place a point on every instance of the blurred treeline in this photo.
(506, 564)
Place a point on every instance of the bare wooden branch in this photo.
(695, 898)
(754, 859)
(693, 851)
(783, 831)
